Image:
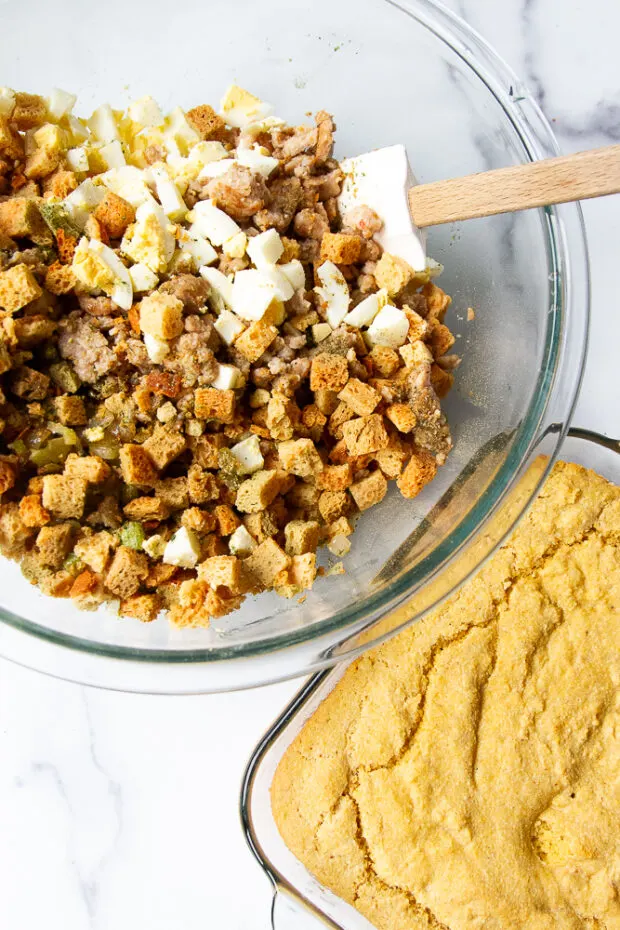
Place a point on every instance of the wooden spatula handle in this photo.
(537, 184)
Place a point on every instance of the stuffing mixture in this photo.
(206, 371)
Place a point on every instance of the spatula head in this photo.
(380, 180)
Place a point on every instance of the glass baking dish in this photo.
(299, 900)
(405, 71)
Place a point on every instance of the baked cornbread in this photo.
(466, 774)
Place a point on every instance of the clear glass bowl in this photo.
(300, 901)
(397, 72)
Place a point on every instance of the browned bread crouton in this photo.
(115, 214)
(137, 466)
(20, 219)
(334, 504)
(144, 607)
(335, 477)
(385, 360)
(213, 404)
(255, 340)
(11, 143)
(90, 468)
(365, 434)
(301, 536)
(161, 315)
(32, 330)
(60, 184)
(328, 372)
(393, 273)
(420, 469)
(340, 248)
(54, 544)
(95, 550)
(227, 520)
(146, 508)
(30, 111)
(441, 380)
(441, 340)
(164, 446)
(402, 416)
(173, 492)
(300, 457)
(70, 410)
(64, 496)
(259, 491)
(18, 287)
(32, 511)
(14, 534)
(437, 301)
(29, 384)
(266, 562)
(202, 486)
(207, 123)
(223, 571)
(369, 491)
(128, 569)
(360, 397)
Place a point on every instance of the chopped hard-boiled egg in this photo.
(183, 549)
(178, 129)
(83, 200)
(241, 543)
(389, 328)
(334, 292)
(210, 221)
(266, 248)
(156, 348)
(222, 285)
(145, 112)
(129, 183)
(248, 455)
(215, 169)
(60, 103)
(7, 101)
(228, 326)
(199, 248)
(433, 268)
(149, 240)
(236, 246)
(155, 546)
(228, 378)
(98, 267)
(252, 293)
(294, 271)
(184, 170)
(112, 154)
(321, 331)
(142, 278)
(170, 199)
(283, 289)
(240, 108)
(102, 124)
(77, 159)
(366, 310)
(77, 129)
(258, 160)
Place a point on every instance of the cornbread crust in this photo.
(466, 774)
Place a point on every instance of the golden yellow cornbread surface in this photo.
(466, 774)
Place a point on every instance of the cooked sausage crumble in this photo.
(206, 371)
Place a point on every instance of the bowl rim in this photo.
(312, 647)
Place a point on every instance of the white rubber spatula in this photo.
(384, 181)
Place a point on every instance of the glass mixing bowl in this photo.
(391, 72)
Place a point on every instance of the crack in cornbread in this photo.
(466, 774)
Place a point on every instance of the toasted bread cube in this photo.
(441, 380)
(266, 562)
(340, 527)
(393, 273)
(301, 536)
(441, 340)
(164, 446)
(11, 143)
(392, 460)
(227, 520)
(14, 534)
(281, 417)
(86, 588)
(205, 450)
(173, 492)
(261, 525)
(300, 457)
(54, 544)
(341, 414)
(437, 301)
(90, 468)
(32, 511)
(222, 571)
(64, 496)
(335, 477)
(115, 214)
(143, 607)
(415, 354)
(303, 570)
(328, 372)
(146, 509)
(402, 416)
(420, 469)
(255, 340)
(213, 404)
(259, 491)
(334, 504)
(33, 329)
(29, 383)
(60, 184)
(40, 163)
(292, 250)
(29, 111)
(8, 473)
(365, 434)
(70, 410)
(200, 521)
(59, 279)
(20, 219)
(202, 486)
(18, 287)
(127, 571)
(326, 401)
(385, 360)
(206, 122)
(137, 466)
(418, 326)
(161, 315)
(340, 248)
(360, 397)
(369, 491)
(95, 550)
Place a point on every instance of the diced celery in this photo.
(132, 535)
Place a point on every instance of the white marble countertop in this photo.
(120, 811)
